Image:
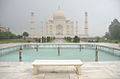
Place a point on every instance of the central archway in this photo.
(59, 30)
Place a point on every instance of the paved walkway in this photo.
(59, 41)
(110, 44)
(63, 41)
(9, 44)
(90, 70)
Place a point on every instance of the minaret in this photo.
(41, 29)
(32, 33)
(86, 24)
(46, 29)
(76, 28)
(58, 6)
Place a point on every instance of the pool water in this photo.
(29, 55)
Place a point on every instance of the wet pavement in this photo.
(90, 70)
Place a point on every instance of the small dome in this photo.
(59, 14)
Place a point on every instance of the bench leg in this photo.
(35, 69)
(78, 69)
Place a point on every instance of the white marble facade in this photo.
(59, 26)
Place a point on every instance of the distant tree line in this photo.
(114, 31)
(47, 39)
(10, 35)
(76, 39)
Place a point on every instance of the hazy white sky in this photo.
(16, 14)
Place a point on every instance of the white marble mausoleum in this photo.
(59, 26)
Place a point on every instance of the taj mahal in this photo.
(59, 26)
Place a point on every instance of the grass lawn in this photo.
(104, 41)
(13, 41)
(18, 41)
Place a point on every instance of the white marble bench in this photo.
(76, 63)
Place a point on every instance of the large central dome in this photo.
(59, 14)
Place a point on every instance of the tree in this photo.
(107, 35)
(69, 38)
(7, 35)
(44, 39)
(97, 39)
(2, 35)
(48, 39)
(11, 36)
(25, 34)
(76, 39)
(114, 30)
(19, 36)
